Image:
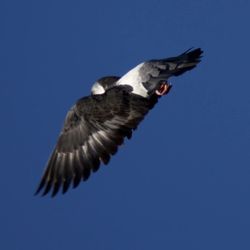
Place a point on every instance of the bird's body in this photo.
(97, 124)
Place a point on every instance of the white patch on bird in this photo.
(71, 157)
(91, 142)
(84, 148)
(103, 135)
(97, 89)
(115, 122)
(96, 138)
(60, 155)
(133, 79)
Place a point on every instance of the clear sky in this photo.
(183, 181)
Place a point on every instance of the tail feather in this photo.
(186, 61)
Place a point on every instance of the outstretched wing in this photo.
(146, 77)
(93, 130)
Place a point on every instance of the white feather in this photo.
(133, 79)
(97, 89)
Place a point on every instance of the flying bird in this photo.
(97, 124)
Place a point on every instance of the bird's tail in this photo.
(184, 62)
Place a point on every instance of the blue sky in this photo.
(182, 182)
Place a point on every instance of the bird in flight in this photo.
(97, 124)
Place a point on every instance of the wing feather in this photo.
(92, 132)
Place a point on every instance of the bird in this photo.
(98, 124)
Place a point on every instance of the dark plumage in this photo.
(97, 124)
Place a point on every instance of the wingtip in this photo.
(40, 187)
(36, 193)
(197, 52)
(193, 50)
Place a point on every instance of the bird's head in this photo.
(103, 84)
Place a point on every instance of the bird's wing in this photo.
(93, 130)
(146, 77)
